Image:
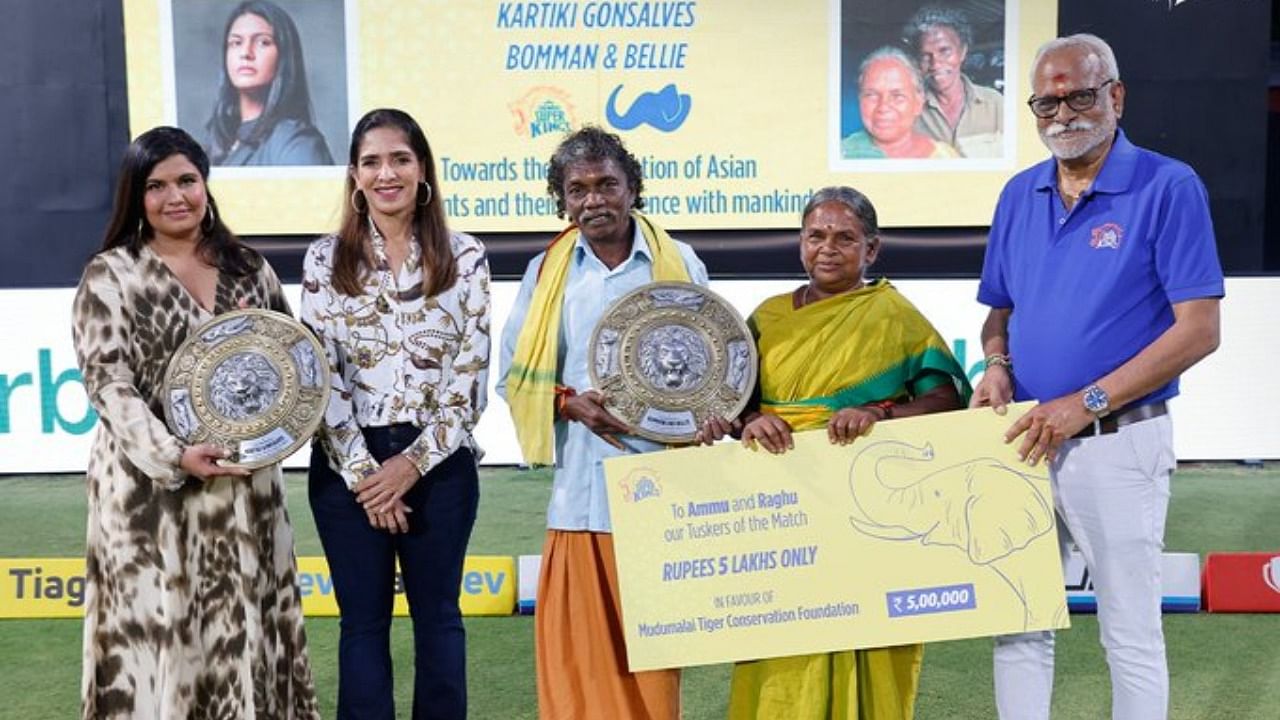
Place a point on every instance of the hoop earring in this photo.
(421, 185)
(210, 216)
(355, 205)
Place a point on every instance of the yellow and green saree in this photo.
(852, 349)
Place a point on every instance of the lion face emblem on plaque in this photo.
(244, 385)
(673, 358)
(668, 356)
(252, 381)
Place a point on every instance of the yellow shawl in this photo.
(531, 381)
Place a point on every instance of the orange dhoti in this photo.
(580, 649)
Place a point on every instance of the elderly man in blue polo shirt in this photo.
(1103, 281)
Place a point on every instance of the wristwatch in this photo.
(1097, 401)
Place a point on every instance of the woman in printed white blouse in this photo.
(401, 305)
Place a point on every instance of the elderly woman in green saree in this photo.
(843, 353)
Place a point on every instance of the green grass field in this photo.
(1223, 666)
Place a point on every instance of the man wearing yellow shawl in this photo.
(608, 250)
(840, 353)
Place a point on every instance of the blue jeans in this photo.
(362, 564)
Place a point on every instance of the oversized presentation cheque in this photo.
(930, 528)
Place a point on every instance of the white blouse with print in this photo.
(396, 356)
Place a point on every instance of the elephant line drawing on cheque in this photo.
(983, 507)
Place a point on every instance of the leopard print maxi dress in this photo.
(192, 608)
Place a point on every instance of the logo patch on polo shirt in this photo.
(1107, 235)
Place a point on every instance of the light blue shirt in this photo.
(578, 500)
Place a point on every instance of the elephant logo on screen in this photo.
(982, 507)
(664, 110)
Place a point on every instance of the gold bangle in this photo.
(997, 360)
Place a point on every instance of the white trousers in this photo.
(1111, 494)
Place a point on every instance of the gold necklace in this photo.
(804, 296)
(1072, 196)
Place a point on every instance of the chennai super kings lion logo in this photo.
(1107, 235)
(543, 110)
(640, 484)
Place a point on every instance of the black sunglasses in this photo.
(1078, 100)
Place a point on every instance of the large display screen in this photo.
(737, 109)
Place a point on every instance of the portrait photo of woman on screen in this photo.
(262, 114)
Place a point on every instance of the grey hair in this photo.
(893, 53)
(1105, 59)
(931, 16)
(857, 202)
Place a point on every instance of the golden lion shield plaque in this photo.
(253, 381)
(669, 356)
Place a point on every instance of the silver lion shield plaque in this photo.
(669, 356)
(253, 381)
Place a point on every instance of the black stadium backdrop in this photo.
(1197, 73)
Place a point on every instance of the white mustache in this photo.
(1058, 128)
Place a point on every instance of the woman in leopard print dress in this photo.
(192, 608)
